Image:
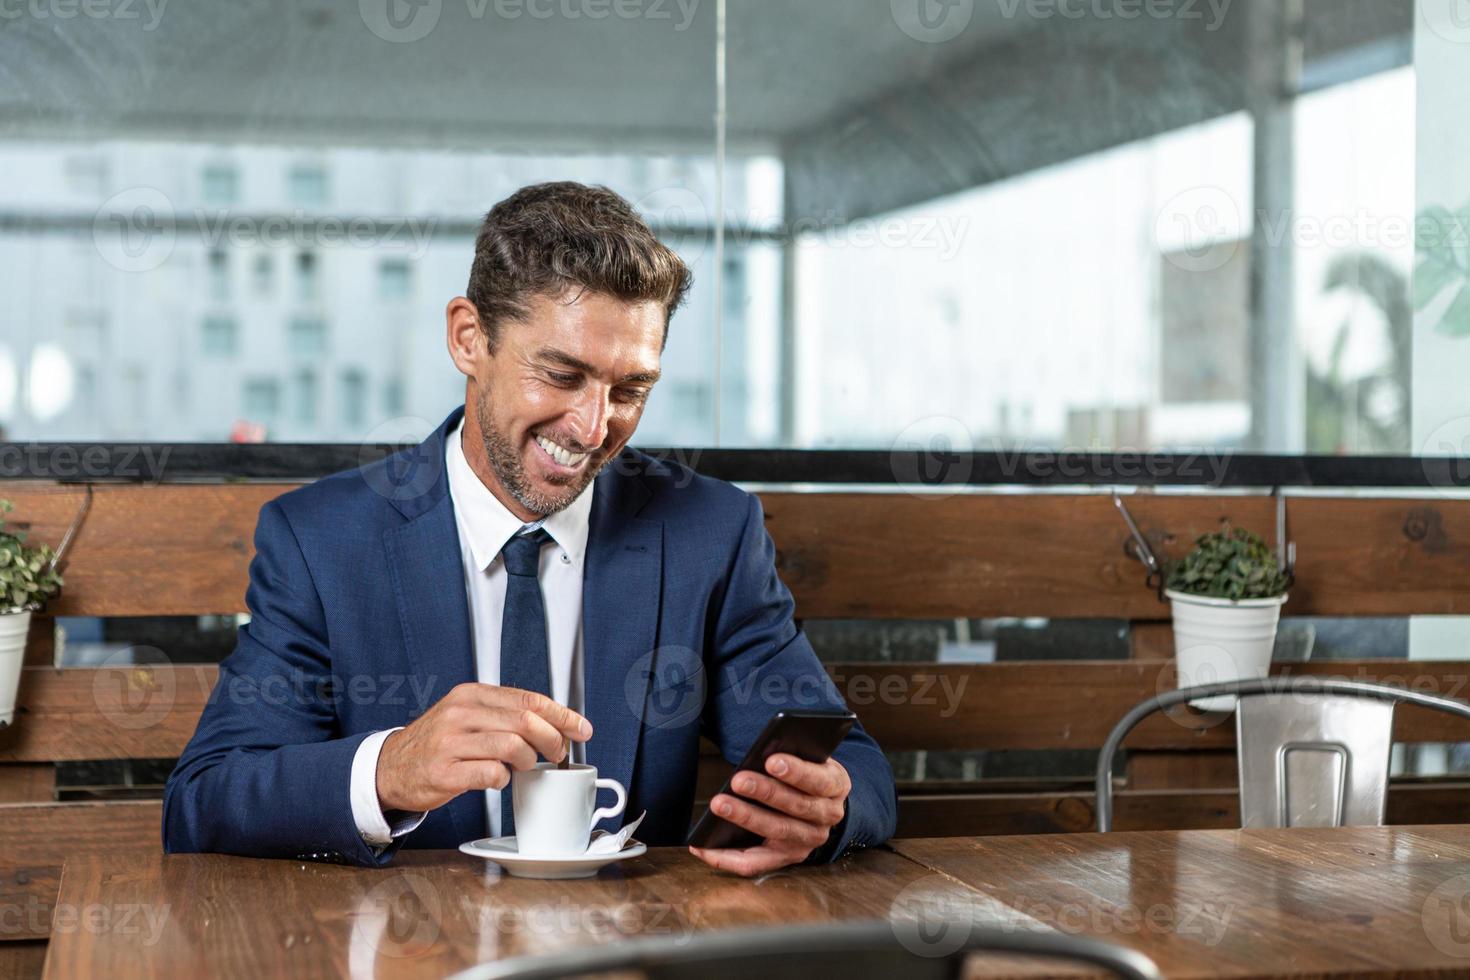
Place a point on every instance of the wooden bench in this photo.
(184, 550)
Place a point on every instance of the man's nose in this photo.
(591, 419)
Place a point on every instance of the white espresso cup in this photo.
(555, 809)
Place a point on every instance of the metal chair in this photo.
(851, 950)
(1313, 752)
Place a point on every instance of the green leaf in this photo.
(1455, 322)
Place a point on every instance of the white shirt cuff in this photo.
(367, 812)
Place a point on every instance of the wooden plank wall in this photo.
(185, 550)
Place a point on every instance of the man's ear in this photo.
(465, 338)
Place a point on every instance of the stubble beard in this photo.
(505, 462)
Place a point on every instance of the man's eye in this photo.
(562, 379)
(634, 394)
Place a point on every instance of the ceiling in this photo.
(485, 72)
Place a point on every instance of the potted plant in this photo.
(1226, 598)
(28, 577)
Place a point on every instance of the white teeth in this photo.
(563, 456)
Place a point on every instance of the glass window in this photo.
(219, 276)
(304, 391)
(308, 185)
(219, 337)
(221, 184)
(308, 285)
(394, 280)
(263, 275)
(1050, 230)
(308, 336)
(354, 399)
(262, 399)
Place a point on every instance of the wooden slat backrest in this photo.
(185, 550)
(82, 713)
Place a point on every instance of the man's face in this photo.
(563, 393)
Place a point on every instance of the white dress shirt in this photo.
(485, 525)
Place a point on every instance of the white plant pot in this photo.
(1220, 640)
(13, 629)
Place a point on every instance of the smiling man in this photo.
(521, 582)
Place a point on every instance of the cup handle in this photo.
(616, 808)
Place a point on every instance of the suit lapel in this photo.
(621, 590)
(424, 566)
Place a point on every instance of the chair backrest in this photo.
(1312, 760)
(852, 950)
(1313, 751)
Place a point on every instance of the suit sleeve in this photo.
(267, 773)
(761, 663)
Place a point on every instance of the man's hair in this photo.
(547, 238)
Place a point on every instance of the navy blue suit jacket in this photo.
(360, 622)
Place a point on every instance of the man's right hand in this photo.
(471, 740)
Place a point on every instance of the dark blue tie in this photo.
(525, 661)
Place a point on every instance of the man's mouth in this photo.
(560, 456)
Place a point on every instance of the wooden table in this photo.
(1368, 902)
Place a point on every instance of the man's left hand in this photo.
(801, 803)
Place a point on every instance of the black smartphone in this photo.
(809, 735)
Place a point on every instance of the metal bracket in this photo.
(1140, 549)
(72, 529)
(1285, 547)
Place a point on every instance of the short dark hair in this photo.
(546, 238)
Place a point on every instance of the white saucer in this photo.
(502, 851)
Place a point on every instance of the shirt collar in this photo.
(489, 525)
